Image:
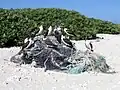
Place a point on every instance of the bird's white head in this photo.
(50, 28)
(65, 29)
(30, 39)
(59, 28)
(26, 40)
(41, 27)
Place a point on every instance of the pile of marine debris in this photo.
(54, 51)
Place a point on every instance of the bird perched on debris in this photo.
(30, 42)
(40, 31)
(26, 40)
(49, 30)
(51, 40)
(65, 30)
(89, 45)
(27, 43)
(66, 41)
(59, 28)
(57, 33)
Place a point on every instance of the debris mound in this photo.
(54, 51)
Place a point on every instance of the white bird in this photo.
(49, 30)
(27, 43)
(40, 31)
(65, 30)
(89, 46)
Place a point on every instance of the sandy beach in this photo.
(26, 77)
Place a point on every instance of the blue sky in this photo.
(102, 9)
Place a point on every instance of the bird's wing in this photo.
(67, 42)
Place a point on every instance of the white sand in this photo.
(14, 77)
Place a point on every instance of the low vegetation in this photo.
(17, 24)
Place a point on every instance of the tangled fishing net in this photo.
(50, 54)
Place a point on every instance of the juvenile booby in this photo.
(40, 31)
(89, 46)
(58, 34)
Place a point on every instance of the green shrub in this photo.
(17, 24)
